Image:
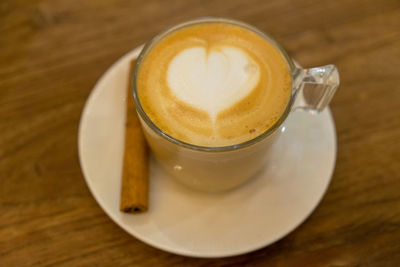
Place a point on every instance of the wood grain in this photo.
(52, 53)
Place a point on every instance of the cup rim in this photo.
(205, 20)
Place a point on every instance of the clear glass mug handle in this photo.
(315, 87)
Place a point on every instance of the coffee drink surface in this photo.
(213, 84)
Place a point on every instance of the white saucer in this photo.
(186, 222)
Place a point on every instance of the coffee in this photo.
(213, 84)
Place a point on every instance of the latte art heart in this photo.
(213, 84)
(212, 80)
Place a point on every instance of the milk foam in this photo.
(212, 79)
(213, 84)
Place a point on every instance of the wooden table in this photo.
(53, 51)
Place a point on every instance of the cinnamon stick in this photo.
(135, 172)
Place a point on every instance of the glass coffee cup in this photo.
(220, 168)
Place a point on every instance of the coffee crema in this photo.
(213, 84)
